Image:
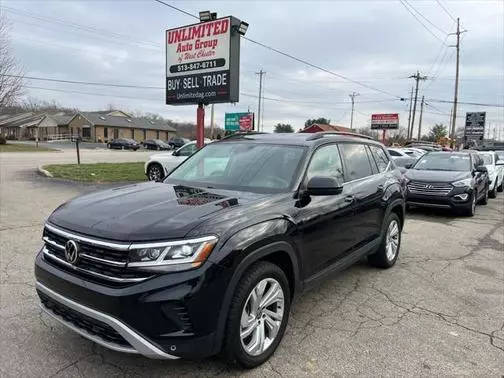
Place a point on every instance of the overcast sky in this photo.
(377, 43)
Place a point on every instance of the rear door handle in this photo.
(349, 199)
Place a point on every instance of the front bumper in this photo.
(453, 200)
(169, 316)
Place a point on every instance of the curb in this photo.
(44, 172)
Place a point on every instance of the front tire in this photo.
(155, 172)
(500, 188)
(388, 252)
(493, 193)
(258, 315)
(471, 209)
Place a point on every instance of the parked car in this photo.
(123, 144)
(159, 165)
(397, 152)
(177, 142)
(495, 168)
(450, 180)
(155, 144)
(209, 260)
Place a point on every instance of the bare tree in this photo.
(10, 73)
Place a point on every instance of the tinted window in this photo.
(380, 158)
(325, 162)
(394, 153)
(187, 150)
(356, 161)
(242, 166)
(444, 161)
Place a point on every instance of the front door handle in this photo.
(349, 199)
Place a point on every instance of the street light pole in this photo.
(352, 96)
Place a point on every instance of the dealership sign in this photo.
(202, 63)
(239, 121)
(475, 125)
(384, 121)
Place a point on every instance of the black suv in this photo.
(209, 260)
(451, 180)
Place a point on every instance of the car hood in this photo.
(436, 176)
(148, 211)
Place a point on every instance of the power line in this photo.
(84, 82)
(90, 29)
(446, 11)
(300, 60)
(420, 22)
(425, 18)
(467, 103)
(177, 9)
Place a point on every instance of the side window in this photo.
(325, 161)
(394, 153)
(380, 158)
(187, 150)
(356, 161)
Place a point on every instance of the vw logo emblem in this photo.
(71, 251)
(428, 186)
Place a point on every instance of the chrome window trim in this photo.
(116, 246)
(137, 341)
(103, 276)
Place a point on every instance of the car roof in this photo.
(299, 139)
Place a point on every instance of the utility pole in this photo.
(450, 127)
(352, 96)
(260, 73)
(409, 116)
(420, 120)
(455, 97)
(417, 78)
(211, 121)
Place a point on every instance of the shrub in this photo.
(3, 140)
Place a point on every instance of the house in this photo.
(100, 126)
(104, 126)
(318, 127)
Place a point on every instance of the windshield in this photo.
(443, 161)
(487, 159)
(251, 167)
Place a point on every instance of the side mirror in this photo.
(482, 169)
(324, 186)
(175, 153)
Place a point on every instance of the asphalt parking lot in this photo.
(439, 311)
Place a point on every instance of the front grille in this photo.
(84, 322)
(96, 262)
(430, 189)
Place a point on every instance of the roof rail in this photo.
(321, 134)
(241, 134)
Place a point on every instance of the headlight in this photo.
(462, 183)
(180, 254)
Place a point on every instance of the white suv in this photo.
(495, 169)
(159, 165)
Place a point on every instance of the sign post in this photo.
(384, 122)
(203, 65)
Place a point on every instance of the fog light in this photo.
(462, 197)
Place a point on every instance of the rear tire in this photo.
(155, 172)
(388, 252)
(239, 340)
(500, 188)
(493, 193)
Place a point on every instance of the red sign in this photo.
(384, 121)
(246, 122)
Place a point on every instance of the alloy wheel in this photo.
(154, 173)
(262, 316)
(392, 240)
